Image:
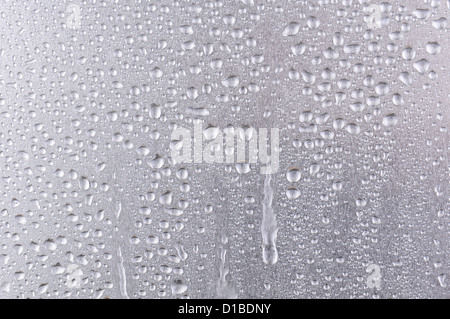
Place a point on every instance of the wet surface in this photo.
(224, 149)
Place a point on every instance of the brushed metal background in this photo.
(92, 206)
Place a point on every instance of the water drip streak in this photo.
(119, 209)
(225, 289)
(123, 276)
(269, 229)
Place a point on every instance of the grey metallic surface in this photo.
(92, 204)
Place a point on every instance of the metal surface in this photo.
(95, 204)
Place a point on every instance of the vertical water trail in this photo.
(269, 229)
(120, 265)
(225, 290)
(123, 276)
(119, 210)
